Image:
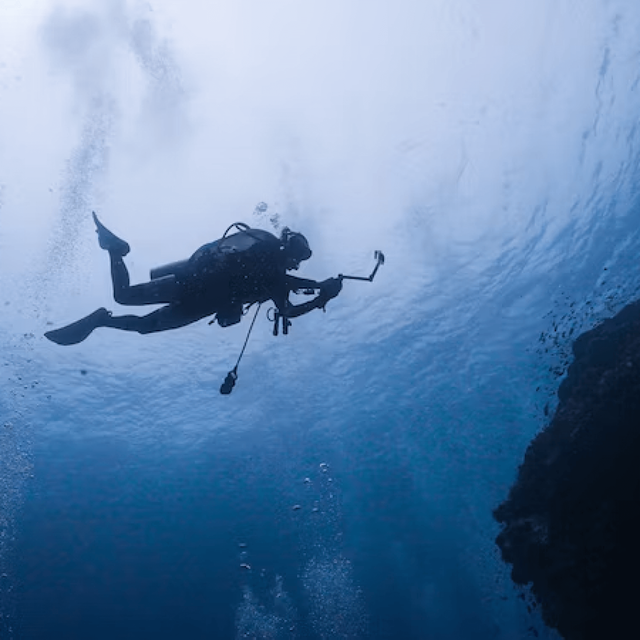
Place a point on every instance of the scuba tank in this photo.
(237, 243)
(169, 269)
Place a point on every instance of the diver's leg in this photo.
(80, 329)
(169, 317)
(159, 291)
(119, 276)
(163, 290)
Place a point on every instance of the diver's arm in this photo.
(292, 283)
(328, 289)
(280, 298)
(295, 310)
(295, 284)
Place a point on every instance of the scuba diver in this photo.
(222, 278)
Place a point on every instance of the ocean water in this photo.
(345, 488)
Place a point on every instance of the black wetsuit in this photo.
(219, 278)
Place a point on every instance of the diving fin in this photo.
(109, 240)
(77, 331)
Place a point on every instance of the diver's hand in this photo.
(329, 289)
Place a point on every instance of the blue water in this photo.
(344, 489)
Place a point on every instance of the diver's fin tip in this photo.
(109, 240)
(79, 330)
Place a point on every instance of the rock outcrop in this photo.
(571, 520)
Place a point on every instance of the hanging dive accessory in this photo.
(230, 381)
(277, 316)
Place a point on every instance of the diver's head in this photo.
(295, 248)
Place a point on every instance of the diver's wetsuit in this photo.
(219, 278)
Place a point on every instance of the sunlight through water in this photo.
(345, 488)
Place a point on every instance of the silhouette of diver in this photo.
(246, 267)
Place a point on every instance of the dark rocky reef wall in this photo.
(571, 522)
